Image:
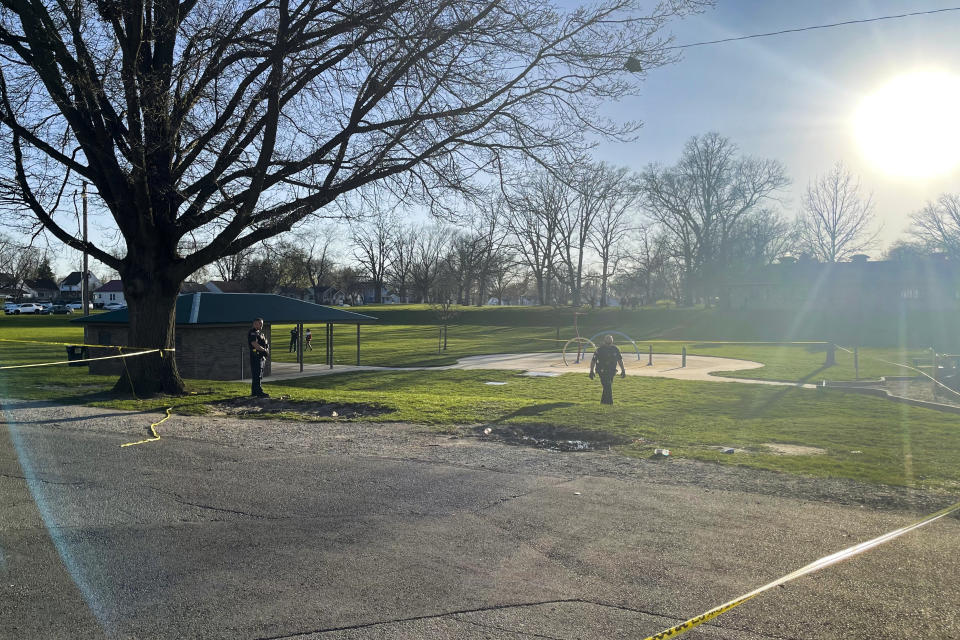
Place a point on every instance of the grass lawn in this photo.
(861, 437)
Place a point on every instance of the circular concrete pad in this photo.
(664, 365)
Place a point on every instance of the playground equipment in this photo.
(583, 342)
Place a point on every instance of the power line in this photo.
(819, 26)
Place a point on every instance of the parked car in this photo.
(61, 308)
(30, 307)
(113, 306)
(10, 307)
(79, 305)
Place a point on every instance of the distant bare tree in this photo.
(758, 240)
(835, 218)
(316, 242)
(937, 225)
(701, 200)
(428, 251)
(399, 270)
(533, 218)
(19, 261)
(232, 267)
(372, 241)
(617, 193)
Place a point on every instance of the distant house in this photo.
(110, 292)
(297, 293)
(226, 286)
(192, 287)
(365, 292)
(13, 289)
(930, 284)
(71, 287)
(329, 295)
(44, 288)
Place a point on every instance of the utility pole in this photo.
(85, 287)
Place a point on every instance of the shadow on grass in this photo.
(533, 410)
(774, 399)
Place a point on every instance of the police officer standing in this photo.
(259, 350)
(605, 360)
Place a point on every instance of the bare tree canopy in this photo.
(937, 225)
(229, 122)
(835, 219)
(702, 200)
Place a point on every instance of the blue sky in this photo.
(788, 97)
(791, 97)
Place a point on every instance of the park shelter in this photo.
(211, 332)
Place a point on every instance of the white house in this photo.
(72, 286)
(110, 292)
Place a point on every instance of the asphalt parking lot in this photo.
(264, 529)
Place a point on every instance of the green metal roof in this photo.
(234, 308)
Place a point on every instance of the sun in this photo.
(910, 127)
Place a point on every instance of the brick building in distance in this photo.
(919, 284)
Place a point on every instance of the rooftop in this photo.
(234, 308)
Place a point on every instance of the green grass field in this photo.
(861, 437)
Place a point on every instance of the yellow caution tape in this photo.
(153, 431)
(50, 364)
(80, 344)
(816, 565)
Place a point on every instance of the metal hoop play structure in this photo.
(580, 342)
(619, 333)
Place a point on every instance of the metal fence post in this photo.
(683, 356)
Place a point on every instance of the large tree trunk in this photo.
(152, 301)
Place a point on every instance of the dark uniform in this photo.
(257, 361)
(605, 360)
(293, 340)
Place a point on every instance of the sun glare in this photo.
(910, 126)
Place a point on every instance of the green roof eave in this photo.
(236, 308)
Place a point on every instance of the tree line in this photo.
(582, 232)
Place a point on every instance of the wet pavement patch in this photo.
(551, 438)
(249, 406)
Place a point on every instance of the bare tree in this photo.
(428, 251)
(234, 121)
(701, 200)
(532, 217)
(616, 192)
(758, 240)
(835, 219)
(231, 267)
(401, 260)
(645, 277)
(316, 242)
(19, 261)
(373, 241)
(937, 225)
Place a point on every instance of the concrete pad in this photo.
(664, 365)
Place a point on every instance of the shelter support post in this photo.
(358, 344)
(300, 345)
(330, 344)
(683, 356)
(650, 356)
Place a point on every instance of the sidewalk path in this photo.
(664, 366)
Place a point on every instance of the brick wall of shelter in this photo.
(207, 352)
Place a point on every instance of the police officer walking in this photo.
(259, 350)
(605, 360)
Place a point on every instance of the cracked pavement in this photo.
(230, 528)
